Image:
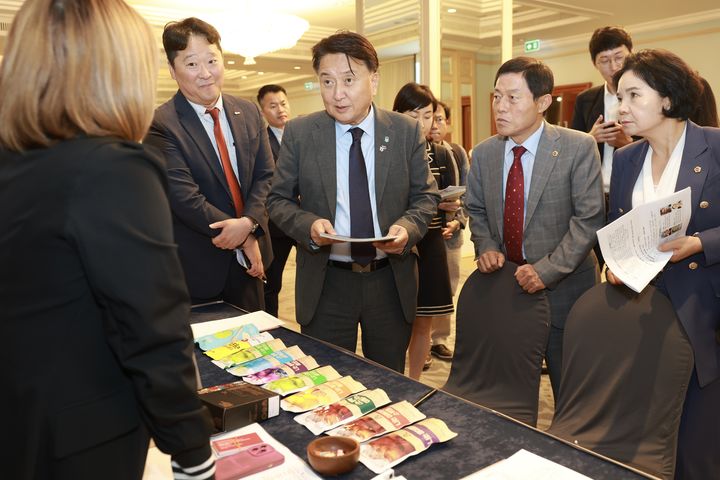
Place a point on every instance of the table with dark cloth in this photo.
(484, 437)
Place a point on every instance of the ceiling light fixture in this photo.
(452, 10)
(262, 31)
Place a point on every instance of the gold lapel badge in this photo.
(555, 153)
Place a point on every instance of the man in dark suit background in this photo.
(354, 165)
(219, 169)
(275, 107)
(596, 108)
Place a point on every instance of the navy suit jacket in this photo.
(589, 105)
(199, 194)
(692, 284)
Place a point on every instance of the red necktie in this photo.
(227, 166)
(514, 208)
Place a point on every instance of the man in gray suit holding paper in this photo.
(535, 198)
(358, 171)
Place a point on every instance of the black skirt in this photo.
(434, 292)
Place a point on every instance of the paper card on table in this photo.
(523, 465)
(230, 445)
(629, 244)
(389, 450)
(293, 467)
(303, 381)
(324, 394)
(263, 321)
(350, 408)
(290, 369)
(343, 238)
(251, 353)
(386, 420)
(268, 361)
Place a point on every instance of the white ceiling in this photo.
(393, 26)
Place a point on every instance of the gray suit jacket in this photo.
(406, 195)
(565, 208)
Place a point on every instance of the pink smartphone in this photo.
(254, 459)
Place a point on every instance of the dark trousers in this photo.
(370, 299)
(698, 453)
(241, 290)
(553, 358)
(281, 247)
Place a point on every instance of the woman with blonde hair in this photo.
(94, 311)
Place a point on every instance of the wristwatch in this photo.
(255, 224)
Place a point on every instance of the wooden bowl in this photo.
(333, 455)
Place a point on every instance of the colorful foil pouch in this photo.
(290, 369)
(303, 381)
(250, 353)
(324, 394)
(391, 449)
(237, 345)
(268, 361)
(223, 337)
(346, 410)
(386, 420)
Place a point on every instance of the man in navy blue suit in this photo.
(219, 167)
(275, 107)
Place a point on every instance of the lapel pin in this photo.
(555, 153)
(387, 139)
(383, 147)
(697, 169)
(236, 113)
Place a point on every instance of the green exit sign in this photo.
(532, 46)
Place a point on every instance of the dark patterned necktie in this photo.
(361, 219)
(514, 208)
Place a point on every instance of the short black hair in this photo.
(539, 77)
(176, 35)
(608, 38)
(351, 44)
(413, 96)
(445, 108)
(265, 89)
(670, 76)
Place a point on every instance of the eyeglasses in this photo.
(618, 61)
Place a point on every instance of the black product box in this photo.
(237, 404)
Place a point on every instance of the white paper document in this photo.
(525, 465)
(453, 192)
(292, 468)
(630, 243)
(343, 238)
(262, 320)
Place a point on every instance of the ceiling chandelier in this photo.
(252, 29)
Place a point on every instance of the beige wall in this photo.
(698, 50)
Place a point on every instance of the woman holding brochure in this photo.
(97, 351)
(657, 93)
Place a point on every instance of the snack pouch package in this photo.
(386, 420)
(223, 337)
(289, 369)
(237, 345)
(324, 394)
(303, 381)
(268, 361)
(389, 450)
(250, 353)
(350, 408)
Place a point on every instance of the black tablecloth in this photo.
(484, 437)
